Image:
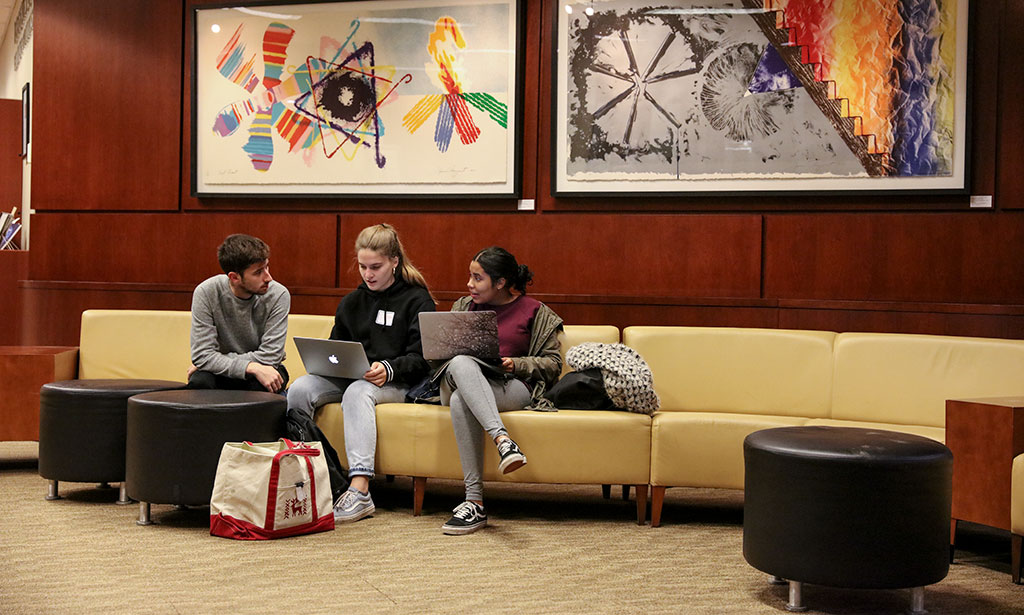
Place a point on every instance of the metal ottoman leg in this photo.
(917, 601)
(122, 494)
(52, 488)
(796, 599)
(144, 518)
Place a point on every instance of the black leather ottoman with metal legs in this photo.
(175, 439)
(82, 430)
(847, 507)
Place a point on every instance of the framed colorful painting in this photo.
(709, 96)
(376, 98)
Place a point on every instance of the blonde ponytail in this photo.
(383, 239)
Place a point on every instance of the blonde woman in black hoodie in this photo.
(382, 314)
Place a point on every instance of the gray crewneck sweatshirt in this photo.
(228, 332)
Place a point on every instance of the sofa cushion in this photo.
(139, 344)
(754, 371)
(705, 449)
(574, 335)
(906, 379)
(568, 446)
(935, 433)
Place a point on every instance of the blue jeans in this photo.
(359, 399)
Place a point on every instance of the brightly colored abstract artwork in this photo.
(383, 97)
(760, 95)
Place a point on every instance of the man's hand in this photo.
(377, 374)
(191, 370)
(269, 377)
(507, 364)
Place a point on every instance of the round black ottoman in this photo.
(846, 507)
(175, 439)
(82, 429)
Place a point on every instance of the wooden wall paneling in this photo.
(1010, 326)
(654, 256)
(987, 20)
(107, 104)
(178, 248)
(1010, 186)
(13, 267)
(53, 317)
(956, 258)
(54, 309)
(10, 149)
(623, 315)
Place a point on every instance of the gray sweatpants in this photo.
(359, 399)
(475, 403)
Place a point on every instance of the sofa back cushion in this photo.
(578, 334)
(753, 371)
(906, 379)
(134, 344)
(155, 343)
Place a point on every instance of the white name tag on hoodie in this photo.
(385, 318)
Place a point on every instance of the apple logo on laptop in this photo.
(333, 359)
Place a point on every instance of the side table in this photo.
(23, 371)
(985, 435)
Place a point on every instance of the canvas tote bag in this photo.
(271, 490)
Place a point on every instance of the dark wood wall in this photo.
(116, 227)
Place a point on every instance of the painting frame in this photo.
(314, 138)
(588, 170)
(26, 119)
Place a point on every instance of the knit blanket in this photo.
(627, 377)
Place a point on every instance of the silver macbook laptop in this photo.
(332, 358)
(449, 334)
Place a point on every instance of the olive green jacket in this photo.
(543, 364)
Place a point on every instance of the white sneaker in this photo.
(353, 505)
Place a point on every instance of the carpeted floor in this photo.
(549, 549)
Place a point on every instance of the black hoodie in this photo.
(388, 326)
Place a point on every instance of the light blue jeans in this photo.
(359, 399)
(475, 403)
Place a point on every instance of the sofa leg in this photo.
(606, 491)
(641, 504)
(657, 499)
(625, 493)
(53, 490)
(1017, 545)
(419, 488)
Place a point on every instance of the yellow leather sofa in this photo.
(717, 385)
(1017, 518)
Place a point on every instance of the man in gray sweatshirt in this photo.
(239, 322)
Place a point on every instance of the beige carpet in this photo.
(549, 549)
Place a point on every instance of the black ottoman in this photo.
(82, 430)
(845, 507)
(175, 439)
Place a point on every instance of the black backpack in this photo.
(300, 427)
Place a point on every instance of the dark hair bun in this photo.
(523, 277)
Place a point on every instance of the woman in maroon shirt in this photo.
(477, 392)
